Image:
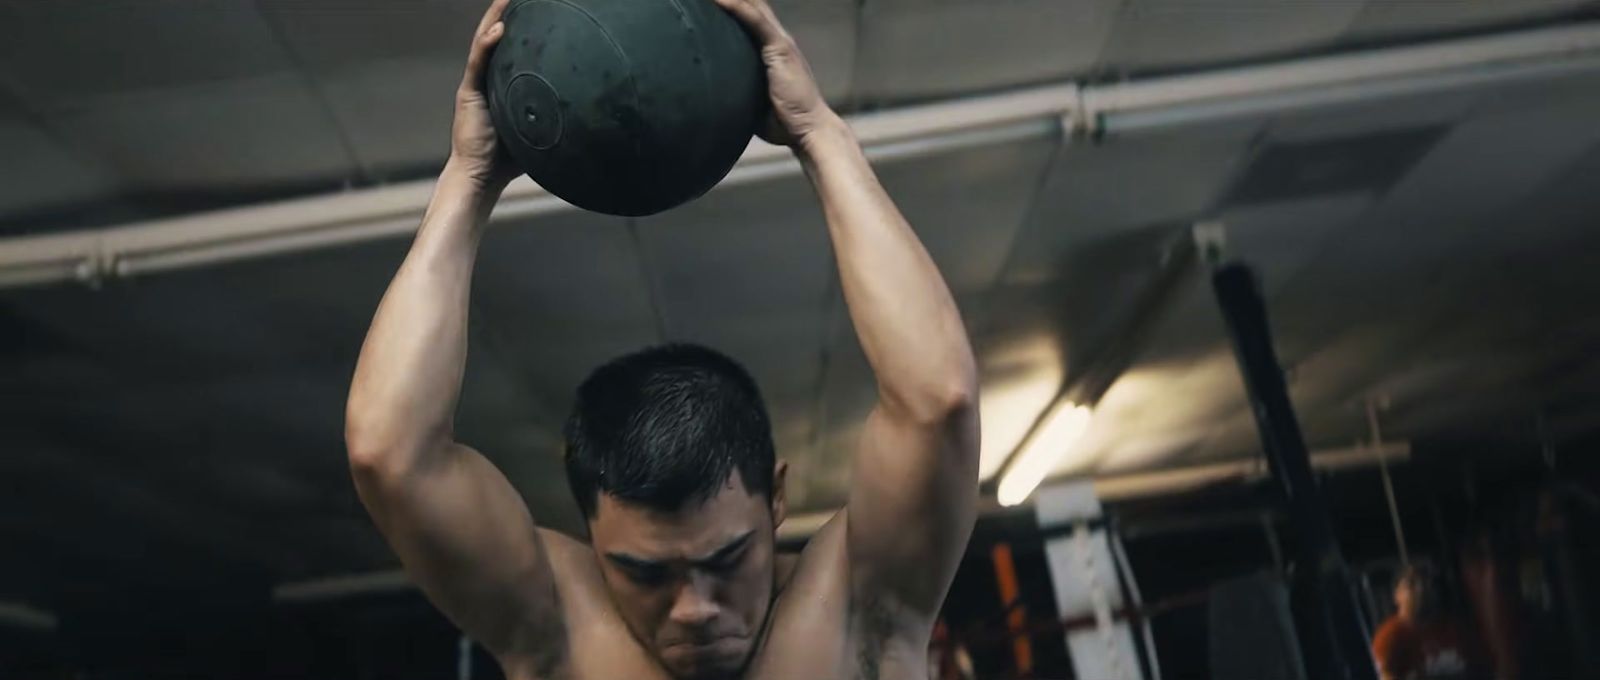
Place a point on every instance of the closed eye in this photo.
(728, 557)
(647, 576)
(639, 571)
(728, 563)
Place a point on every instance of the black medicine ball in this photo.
(625, 107)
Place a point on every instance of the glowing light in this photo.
(1061, 430)
(1007, 411)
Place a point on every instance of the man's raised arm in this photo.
(461, 530)
(915, 486)
(915, 480)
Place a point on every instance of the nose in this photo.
(693, 606)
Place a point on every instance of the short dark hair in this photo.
(667, 426)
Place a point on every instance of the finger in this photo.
(757, 17)
(491, 15)
(478, 59)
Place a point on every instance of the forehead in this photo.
(691, 530)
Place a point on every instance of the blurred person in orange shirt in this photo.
(1420, 641)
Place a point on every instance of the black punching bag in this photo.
(625, 107)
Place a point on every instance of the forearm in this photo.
(408, 378)
(904, 315)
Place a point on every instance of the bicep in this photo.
(465, 536)
(913, 496)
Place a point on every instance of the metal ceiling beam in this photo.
(393, 211)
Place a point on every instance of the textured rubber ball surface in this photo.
(625, 107)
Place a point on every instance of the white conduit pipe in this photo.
(392, 211)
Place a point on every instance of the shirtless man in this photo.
(670, 455)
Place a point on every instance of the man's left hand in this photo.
(798, 109)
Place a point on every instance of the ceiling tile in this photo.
(1278, 239)
(826, 32)
(749, 271)
(158, 326)
(1396, 18)
(42, 174)
(125, 47)
(968, 206)
(917, 49)
(1485, 165)
(742, 259)
(1565, 96)
(1364, 163)
(388, 71)
(229, 135)
(328, 34)
(396, 113)
(1433, 109)
(1190, 34)
(561, 294)
(1135, 182)
(1557, 218)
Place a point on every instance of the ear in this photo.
(780, 505)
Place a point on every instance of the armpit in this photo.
(883, 632)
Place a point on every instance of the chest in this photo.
(814, 634)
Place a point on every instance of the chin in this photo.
(718, 660)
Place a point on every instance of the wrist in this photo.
(472, 175)
(830, 136)
(462, 197)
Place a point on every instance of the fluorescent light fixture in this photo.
(1061, 429)
(1020, 381)
(1007, 411)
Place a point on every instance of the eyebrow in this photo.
(720, 554)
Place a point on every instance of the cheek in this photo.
(643, 607)
(750, 586)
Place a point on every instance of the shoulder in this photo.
(822, 565)
(577, 575)
(594, 640)
(569, 558)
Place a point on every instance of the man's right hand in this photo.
(474, 148)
